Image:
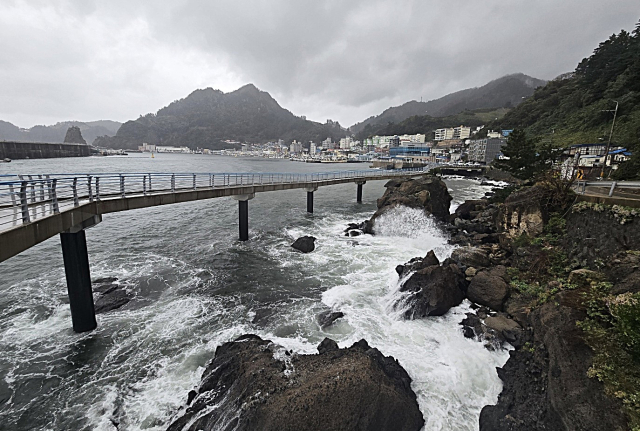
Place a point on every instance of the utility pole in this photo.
(606, 153)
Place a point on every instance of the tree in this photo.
(523, 159)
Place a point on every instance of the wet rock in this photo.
(471, 256)
(417, 263)
(305, 244)
(427, 193)
(327, 318)
(489, 287)
(508, 329)
(112, 299)
(255, 386)
(432, 291)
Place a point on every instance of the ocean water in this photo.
(195, 286)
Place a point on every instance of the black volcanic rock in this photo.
(305, 244)
(428, 193)
(257, 385)
(74, 136)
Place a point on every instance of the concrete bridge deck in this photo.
(37, 207)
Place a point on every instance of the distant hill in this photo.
(56, 133)
(207, 117)
(427, 124)
(505, 92)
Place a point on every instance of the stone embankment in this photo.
(32, 150)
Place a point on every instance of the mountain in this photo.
(56, 133)
(207, 117)
(578, 107)
(505, 92)
(427, 124)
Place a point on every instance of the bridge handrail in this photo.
(25, 198)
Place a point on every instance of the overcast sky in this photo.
(345, 60)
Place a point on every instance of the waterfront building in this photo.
(485, 150)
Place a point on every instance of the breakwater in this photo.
(38, 150)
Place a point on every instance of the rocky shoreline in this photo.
(509, 263)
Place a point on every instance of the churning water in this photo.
(195, 286)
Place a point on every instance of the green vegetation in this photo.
(576, 108)
(525, 157)
(612, 330)
(427, 124)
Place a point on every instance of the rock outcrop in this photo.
(74, 136)
(428, 193)
(305, 244)
(432, 289)
(253, 384)
(546, 386)
(489, 288)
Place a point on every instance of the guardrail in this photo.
(612, 185)
(25, 198)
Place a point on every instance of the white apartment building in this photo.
(444, 134)
(295, 147)
(461, 132)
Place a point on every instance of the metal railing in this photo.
(611, 185)
(25, 198)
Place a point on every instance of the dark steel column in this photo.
(359, 193)
(76, 268)
(309, 202)
(243, 210)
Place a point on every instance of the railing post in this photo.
(613, 186)
(33, 197)
(89, 187)
(122, 192)
(97, 188)
(49, 193)
(54, 196)
(194, 181)
(150, 187)
(14, 204)
(44, 206)
(144, 185)
(173, 183)
(24, 204)
(75, 192)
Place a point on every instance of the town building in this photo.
(485, 150)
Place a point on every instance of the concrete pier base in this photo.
(359, 192)
(310, 191)
(243, 215)
(76, 268)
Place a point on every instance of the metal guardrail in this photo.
(612, 185)
(25, 198)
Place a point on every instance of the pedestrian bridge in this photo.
(34, 208)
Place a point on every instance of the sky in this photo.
(344, 60)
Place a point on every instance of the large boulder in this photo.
(471, 257)
(525, 212)
(489, 288)
(432, 290)
(253, 384)
(305, 244)
(428, 193)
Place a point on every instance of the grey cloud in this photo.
(332, 59)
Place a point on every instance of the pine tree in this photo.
(522, 157)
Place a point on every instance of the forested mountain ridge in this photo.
(207, 117)
(578, 107)
(56, 133)
(505, 92)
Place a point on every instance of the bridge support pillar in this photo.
(76, 268)
(243, 213)
(310, 191)
(359, 192)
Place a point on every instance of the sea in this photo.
(195, 286)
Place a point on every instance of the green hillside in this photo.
(578, 107)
